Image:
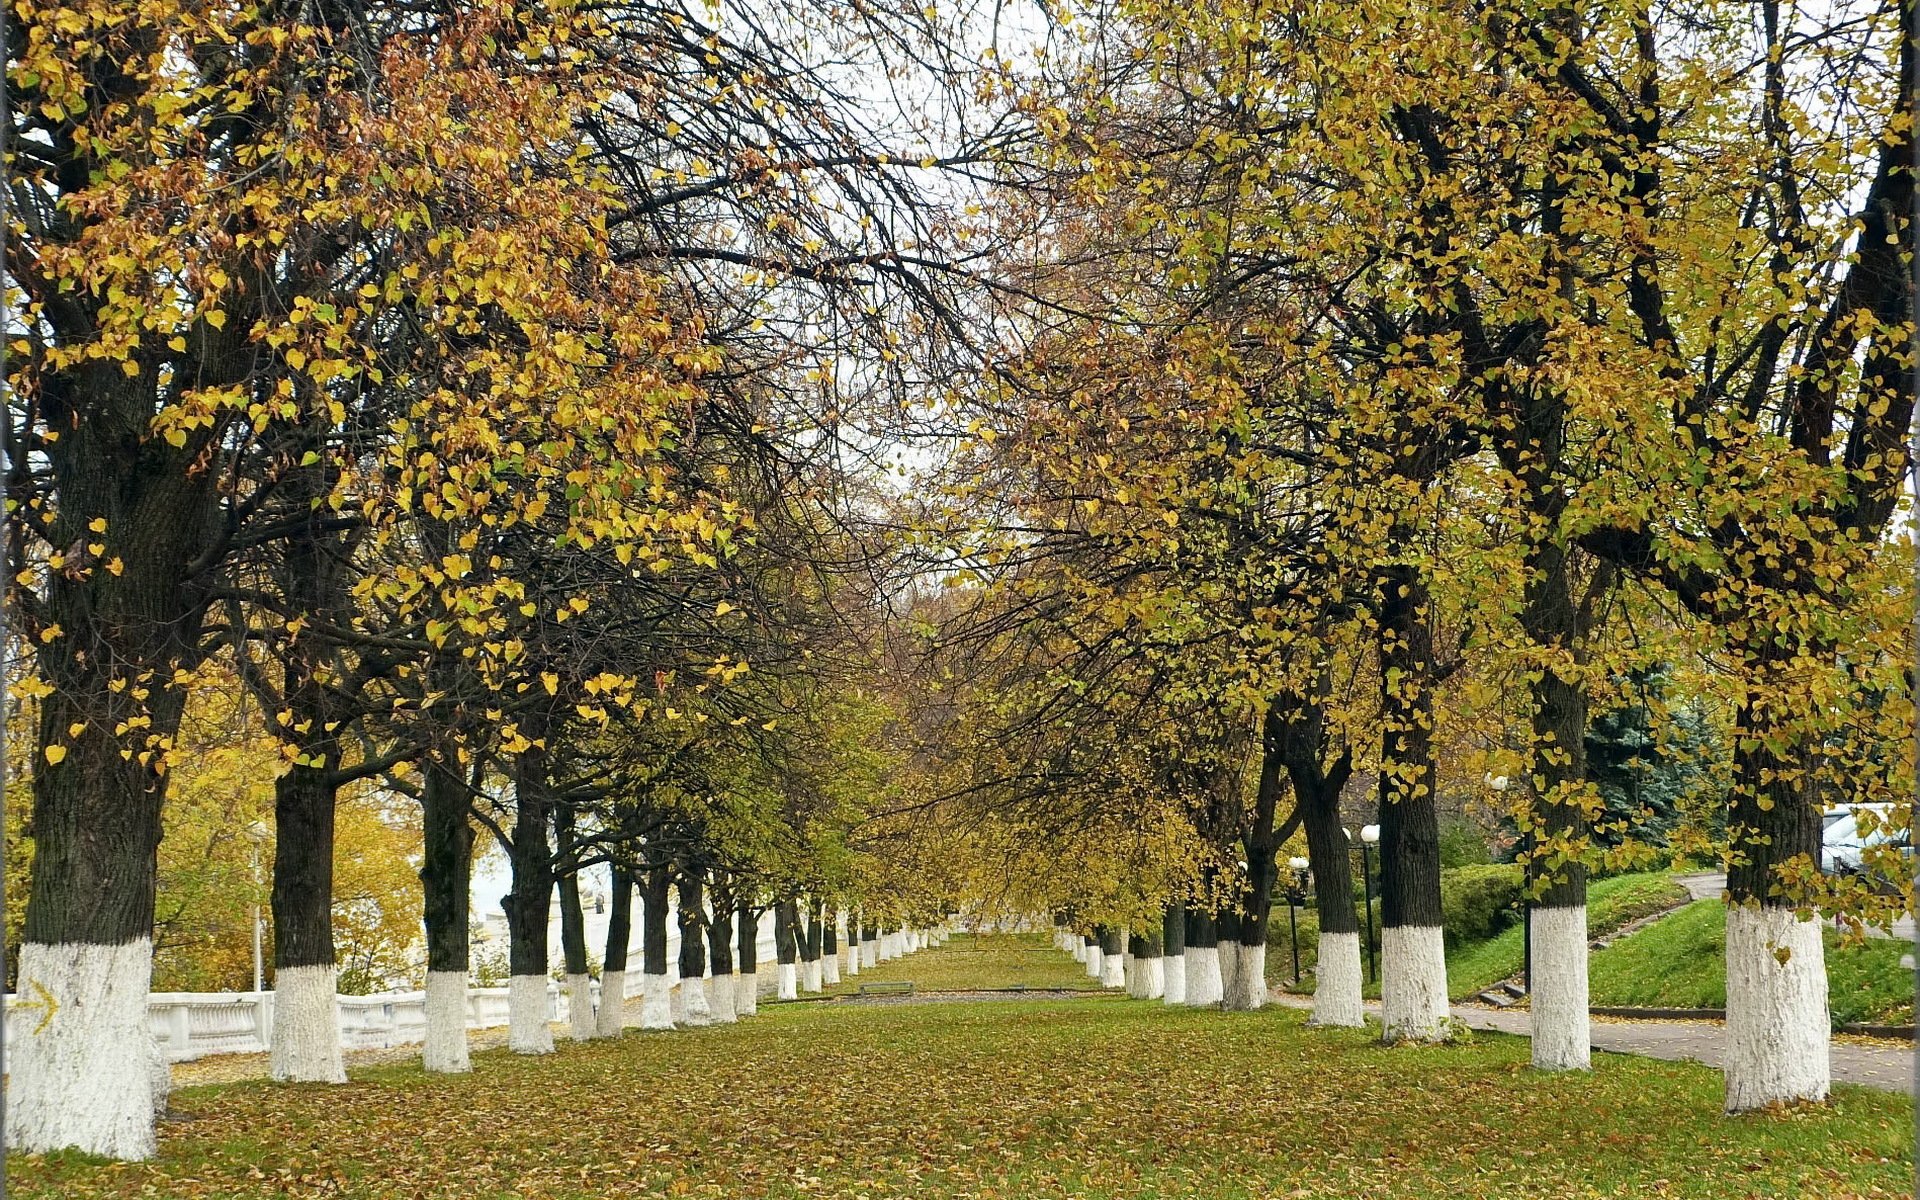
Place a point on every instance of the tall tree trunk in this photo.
(830, 950)
(720, 991)
(786, 948)
(84, 1068)
(1296, 735)
(1137, 965)
(691, 995)
(810, 976)
(305, 1045)
(1558, 912)
(746, 989)
(1779, 1026)
(581, 1024)
(1112, 957)
(446, 879)
(1173, 953)
(656, 1004)
(1203, 957)
(528, 904)
(1413, 966)
(612, 1015)
(1226, 931)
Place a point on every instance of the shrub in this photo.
(1478, 902)
(1463, 843)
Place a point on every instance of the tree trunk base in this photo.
(306, 1026)
(80, 1052)
(789, 983)
(720, 999)
(612, 1017)
(1413, 984)
(656, 1002)
(582, 1025)
(746, 994)
(1173, 972)
(1779, 1032)
(1562, 1029)
(810, 975)
(529, 1012)
(445, 1050)
(1113, 971)
(1229, 952)
(1247, 989)
(830, 969)
(1336, 990)
(1204, 988)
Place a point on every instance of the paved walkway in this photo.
(1884, 1065)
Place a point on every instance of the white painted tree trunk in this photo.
(528, 1031)
(1249, 985)
(1156, 977)
(1134, 979)
(656, 1002)
(1229, 966)
(720, 999)
(80, 1051)
(1779, 1031)
(746, 994)
(853, 959)
(1336, 991)
(581, 1024)
(1093, 962)
(1203, 976)
(1173, 970)
(830, 969)
(1079, 950)
(612, 1015)
(1562, 1033)
(789, 982)
(870, 954)
(1413, 983)
(691, 997)
(810, 975)
(1113, 972)
(305, 1046)
(445, 1049)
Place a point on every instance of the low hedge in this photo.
(1478, 902)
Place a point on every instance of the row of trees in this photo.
(467, 392)
(500, 397)
(1402, 386)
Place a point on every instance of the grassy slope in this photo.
(1679, 962)
(1093, 1098)
(1611, 904)
(978, 961)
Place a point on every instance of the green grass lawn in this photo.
(987, 960)
(1679, 962)
(1099, 1097)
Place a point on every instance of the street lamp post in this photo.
(1369, 837)
(257, 835)
(1295, 886)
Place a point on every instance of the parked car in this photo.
(1843, 845)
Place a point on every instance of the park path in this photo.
(1712, 885)
(1888, 1066)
